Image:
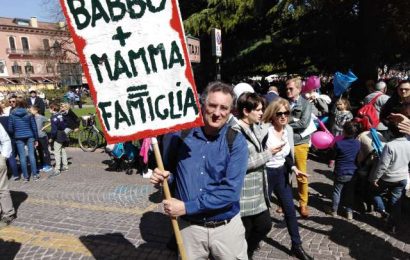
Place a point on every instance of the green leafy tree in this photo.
(261, 37)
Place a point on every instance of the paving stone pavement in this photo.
(91, 213)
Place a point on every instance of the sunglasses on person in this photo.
(286, 113)
(12, 101)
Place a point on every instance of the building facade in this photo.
(37, 55)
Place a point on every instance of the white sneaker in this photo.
(147, 175)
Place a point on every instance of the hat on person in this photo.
(380, 85)
(241, 88)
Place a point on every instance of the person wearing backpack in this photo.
(379, 92)
(207, 180)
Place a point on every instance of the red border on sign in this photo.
(176, 24)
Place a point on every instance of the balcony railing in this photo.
(36, 53)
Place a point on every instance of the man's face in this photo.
(12, 102)
(216, 110)
(33, 94)
(292, 91)
(404, 91)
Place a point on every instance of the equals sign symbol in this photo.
(137, 91)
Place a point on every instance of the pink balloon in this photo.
(312, 83)
(322, 140)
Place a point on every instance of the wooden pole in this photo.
(167, 195)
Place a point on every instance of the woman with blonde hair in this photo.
(281, 166)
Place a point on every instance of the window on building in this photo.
(12, 44)
(24, 43)
(2, 66)
(46, 45)
(57, 48)
(50, 68)
(29, 69)
(16, 68)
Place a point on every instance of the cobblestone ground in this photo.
(91, 213)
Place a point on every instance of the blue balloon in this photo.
(341, 82)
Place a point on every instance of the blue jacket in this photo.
(22, 124)
(346, 153)
(57, 128)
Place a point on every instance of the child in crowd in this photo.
(42, 147)
(345, 166)
(391, 174)
(70, 118)
(60, 138)
(342, 115)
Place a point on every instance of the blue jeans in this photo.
(21, 143)
(12, 160)
(396, 191)
(279, 184)
(346, 184)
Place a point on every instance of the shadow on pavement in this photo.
(155, 230)
(324, 189)
(109, 246)
(277, 245)
(9, 249)
(18, 197)
(157, 196)
(326, 173)
(361, 243)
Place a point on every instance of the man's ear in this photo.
(245, 112)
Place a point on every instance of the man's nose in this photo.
(217, 111)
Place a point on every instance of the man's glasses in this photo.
(286, 113)
(12, 101)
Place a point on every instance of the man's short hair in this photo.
(380, 85)
(217, 86)
(297, 81)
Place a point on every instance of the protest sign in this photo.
(136, 62)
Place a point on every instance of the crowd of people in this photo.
(226, 174)
(23, 125)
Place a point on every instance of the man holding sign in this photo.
(210, 163)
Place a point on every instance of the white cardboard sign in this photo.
(135, 59)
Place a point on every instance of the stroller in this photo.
(124, 156)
